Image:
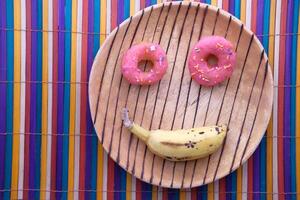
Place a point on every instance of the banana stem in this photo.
(139, 131)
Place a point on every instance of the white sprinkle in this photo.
(152, 48)
(197, 49)
(204, 79)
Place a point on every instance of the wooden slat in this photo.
(244, 102)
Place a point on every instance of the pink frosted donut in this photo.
(144, 51)
(207, 74)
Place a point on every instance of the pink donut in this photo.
(144, 51)
(209, 75)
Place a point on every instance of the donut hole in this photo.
(145, 65)
(212, 60)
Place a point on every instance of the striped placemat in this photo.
(48, 148)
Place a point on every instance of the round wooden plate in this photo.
(244, 102)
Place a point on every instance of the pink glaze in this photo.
(144, 51)
(211, 75)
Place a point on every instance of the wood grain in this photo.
(243, 102)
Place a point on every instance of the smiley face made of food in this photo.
(183, 144)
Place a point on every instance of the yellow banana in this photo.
(179, 145)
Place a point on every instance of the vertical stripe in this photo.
(298, 113)
(239, 183)
(225, 5)
(100, 159)
(243, 11)
(33, 101)
(183, 194)
(66, 95)
(27, 99)
(78, 101)
(100, 172)
(262, 169)
(120, 11)
(275, 103)
(231, 6)
(128, 186)
(171, 193)
(123, 175)
(220, 3)
(159, 194)
(138, 188)
(60, 176)
(108, 16)
(266, 25)
(250, 178)
(89, 182)
(50, 97)
(222, 189)
(9, 95)
(287, 104)
(54, 98)
(245, 181)
(147, 194)
(254, 15)
(16, 109)
(3, 69)
(293, 76)
(110, 179)
(248, 13)
(229, 180)
(210, 191)
(137, 5)
(293, 29)
(194, 193)
(72, 133)
(216, 190)
(142, 4)
(234, 185)
(117, 181)
(237, 8)
(154, 193)
(105, 165)
(281, 181)
(83, 102)
(94, 46)
(127, 10)
(113, 13)
(44, 102)
(270, 131)
(22, 96)
(214, 2)
(39, 76)
(132, 7)
(133, 193)
(103, 18)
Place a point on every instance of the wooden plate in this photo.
(244, 102)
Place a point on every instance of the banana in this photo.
(179, 145)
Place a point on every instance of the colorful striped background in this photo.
(48, 148)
